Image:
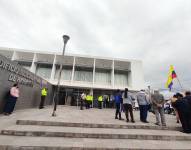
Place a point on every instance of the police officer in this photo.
(89, 100)
(43, 97)
(100, 100)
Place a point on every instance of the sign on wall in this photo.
(18, 74)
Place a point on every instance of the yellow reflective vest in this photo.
(43, 92)
(100, 98)
(89, 98)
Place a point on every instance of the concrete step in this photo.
(95, 125)
(101, 133)
(56, 143)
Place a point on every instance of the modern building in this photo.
(96, 74)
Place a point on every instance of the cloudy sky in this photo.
(156, 31)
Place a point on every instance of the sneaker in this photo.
(121, 119)
(145, 121)
(132, 121)
(6, 114)
(116, 117)
(158, 124)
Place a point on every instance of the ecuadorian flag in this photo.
(171, 75)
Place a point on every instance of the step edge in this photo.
(91, 125)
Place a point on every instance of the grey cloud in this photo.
(157, 32)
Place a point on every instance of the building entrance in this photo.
(70, 96)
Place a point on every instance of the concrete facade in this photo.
(29, 85)
(81, 71)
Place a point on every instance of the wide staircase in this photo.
(29, 134)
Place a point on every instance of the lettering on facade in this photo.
(20, 80)
(19, 75)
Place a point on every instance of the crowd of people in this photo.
(124, 102)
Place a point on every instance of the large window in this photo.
(44, 70)
(103, 76)
(25, 65)
(121, 78)
(83, 74)
(66, 73)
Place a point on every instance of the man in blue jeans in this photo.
(143, 102)
(118, 103)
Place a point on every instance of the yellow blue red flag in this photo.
(171, 75)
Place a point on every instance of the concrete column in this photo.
(33, 66)
(53, 69)
(129, 79)
(92, 93)
(13, 56)
(137, 77)
(73, 69)
(113, 74)
(94, 71)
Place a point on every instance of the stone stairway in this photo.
(58, 135)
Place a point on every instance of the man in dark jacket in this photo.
(182, 106)
(188, 100)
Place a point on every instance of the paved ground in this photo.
(68, 114)
(56, 143)
(73, 114)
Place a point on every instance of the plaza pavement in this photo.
(86, 129)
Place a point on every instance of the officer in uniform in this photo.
(43, 97)
(100, 100)
(88, 99)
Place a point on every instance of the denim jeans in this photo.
(143, 112)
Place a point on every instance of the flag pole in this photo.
(179, 83)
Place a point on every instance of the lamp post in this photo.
(65, 39)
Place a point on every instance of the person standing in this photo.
(182, 106)
(91, 101)
(143, 103)
(127, 104)
(158, 106)
(12, 99)
(82, 100)
(100, 100)
(172, 100)
(107, 101)
(43, 97)
(118, 103)
(88, 101)
(188, 100)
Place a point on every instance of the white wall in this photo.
(137, 75)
